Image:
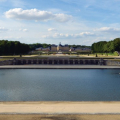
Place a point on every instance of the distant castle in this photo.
(60, 47)
(64, 48)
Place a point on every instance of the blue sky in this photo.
(67, 21)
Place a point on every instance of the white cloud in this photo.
(3, 29)
(24, 30)
(62, 17)
(108, 29)
(61, 35)
(52, 29)
(10, 38)
(37, 15)
(87, 34)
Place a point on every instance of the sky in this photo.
(80, 22)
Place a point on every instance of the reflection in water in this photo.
(60, 85)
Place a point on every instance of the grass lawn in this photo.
(72, 56)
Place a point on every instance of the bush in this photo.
(116, 53)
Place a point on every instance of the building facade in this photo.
(82, 50)
(63, 47)
(54, 48)
(39, 49)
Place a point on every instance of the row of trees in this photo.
(104, 46)
(79, 46)
(13, 47)
(17, 48)
(38, 45)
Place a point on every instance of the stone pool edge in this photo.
(60, 107)
(58, 67)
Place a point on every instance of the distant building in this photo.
(87, 49)
(54, 48)
(82, 50)
(46, 49)
(42, 49)
(72, 49)
(78, 49)
(39, 49)
(63, 47)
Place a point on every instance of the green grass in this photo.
(73, 56)
(102, 54)
(3, 58)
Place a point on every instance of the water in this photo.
(60, 85)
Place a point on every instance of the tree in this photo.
(117, 44)
(98, 47)
(13, 47)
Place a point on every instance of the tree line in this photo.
(13, 48)
(38, 45)
(79, 46)
(105, 47)
(17, 48)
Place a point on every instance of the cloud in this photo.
(108, 29)
(3, 29)
(37, 15)
(10, 38)
(57, 35)
(62, 17)
(24, 30)
(61, 35)
(52, 29)
(86, 34)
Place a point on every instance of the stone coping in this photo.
(58, 67)
(60, 107)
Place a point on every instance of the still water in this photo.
(60, 85)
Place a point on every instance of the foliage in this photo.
(116, 53)
(13, 47)
(79, 46)
(38, 45)
(105, 47)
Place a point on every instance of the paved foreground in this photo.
(59, 107)
(59, 110)
(59, 117)
(57, 67)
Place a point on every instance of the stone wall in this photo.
(6, 62)
(60, 62)
(111, 62)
